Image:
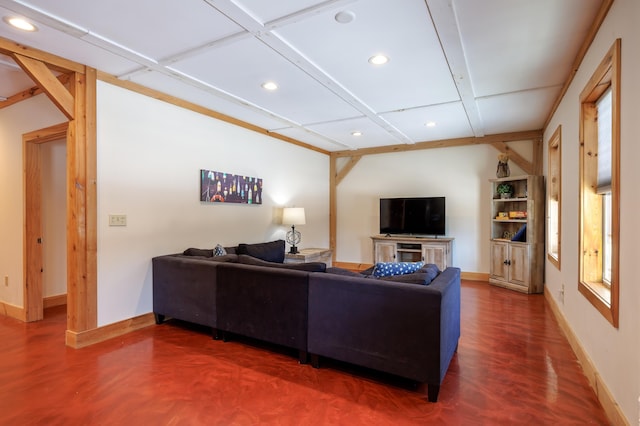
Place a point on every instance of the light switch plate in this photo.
(117, 220)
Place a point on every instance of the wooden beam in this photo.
(31, 92)
(518, 159)
(48, 82)
(445, 143)
(137, 88)
(81, 208)
(333, 204)
(347, 168)
(538, 157)
(56, 63)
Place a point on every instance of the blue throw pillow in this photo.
(386, 269)
(521, 235)
(219, 250)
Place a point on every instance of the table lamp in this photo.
(293, 216)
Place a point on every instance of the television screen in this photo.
(417, 216)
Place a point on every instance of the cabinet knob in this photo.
(507, 262)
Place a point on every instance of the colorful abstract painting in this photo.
(220, 187)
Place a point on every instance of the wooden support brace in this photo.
(515, 157)
(49, 83)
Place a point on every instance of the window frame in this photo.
(605, 298)
(554, 179)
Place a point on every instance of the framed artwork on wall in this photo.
(221, 187)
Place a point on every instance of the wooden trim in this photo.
(590, 239)
(474, 276)
(13, 311)
(604, 395)
(48, 134)
(137, 88)
(586, 44)
(49, 83)
(32, 286)
(32, 247)
(51, 301)
(554, 179)
(91, 195)
(81, 339)
(444, 143)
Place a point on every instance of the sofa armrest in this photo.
(393, 327)
(185, 288)
(448, 283)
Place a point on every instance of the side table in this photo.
(309, 255)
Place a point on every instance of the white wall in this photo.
(54, 217)
(23, 117)
(460, 174)
(615, 352)
(149, 158)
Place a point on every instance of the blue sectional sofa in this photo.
(402, 328)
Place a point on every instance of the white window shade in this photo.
(604, 142)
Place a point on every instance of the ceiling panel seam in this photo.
(445, 23)
(288, 52)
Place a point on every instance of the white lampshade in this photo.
(293, 216)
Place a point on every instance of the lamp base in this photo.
(294, 250)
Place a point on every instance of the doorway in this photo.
(44, 241)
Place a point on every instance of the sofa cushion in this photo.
(309, 266)
(385, 269)
(342, 271)
(272, 251)
(198, 252)
(233, 258)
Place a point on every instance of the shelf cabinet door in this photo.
(435, 254)
(499, 255)
(384, 252)
(519, 268)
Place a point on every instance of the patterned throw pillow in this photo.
(386, 269)
(219, 251)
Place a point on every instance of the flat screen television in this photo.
(414, 216)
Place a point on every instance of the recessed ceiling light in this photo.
(356, 133)
(345, 16)
(430, 124)
(269, 85)
(378, 60)
(20, 23)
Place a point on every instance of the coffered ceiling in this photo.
(456, 68)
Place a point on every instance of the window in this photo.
(554, 189)
(599, 186)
